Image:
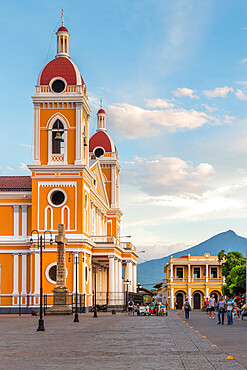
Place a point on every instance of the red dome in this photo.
(62, 28)
(101, 111)
(62, 67)
(103, 140)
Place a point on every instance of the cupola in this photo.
(62, 40)
(101, 120)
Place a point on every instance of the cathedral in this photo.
(73, 181)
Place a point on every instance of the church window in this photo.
(53, 273)
(58, 86)
(57, 198)
(58, 138)
(99, 152)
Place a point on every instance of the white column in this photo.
(113, 185)
(37, 270)
(79, 151)
(24, 273)
(171, 299)
(76, 254)
(83, 274)
(129, 274)
(111, 279)
(171, 275)
(207, 293)
(134, 278)
(24, 221)
(116, 281)
(206, 273)
(15, 278)
(36, 133)
(189, 295)
(120, 274)
(189, 276)
(16, 221)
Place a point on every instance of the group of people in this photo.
(226, 306)
(157, 309)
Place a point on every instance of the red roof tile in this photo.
(15, 183)
(62, 28)
(61, 67)
(100, 138)
(101, 111)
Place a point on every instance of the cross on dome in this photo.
(62, 40)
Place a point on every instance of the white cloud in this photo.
(132, 122)
(23, 166)
(220, 92)
(244, 60)
(240, 95)
(10, 168)
(168, 175)
(159, 103)
(184, 91)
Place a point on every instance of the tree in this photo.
(234, 270)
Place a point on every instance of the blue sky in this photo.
(173, 77)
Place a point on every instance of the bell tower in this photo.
(61, 155)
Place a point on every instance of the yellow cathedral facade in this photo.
(74, 181)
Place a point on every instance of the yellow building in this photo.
(74, 181)
(195, 277)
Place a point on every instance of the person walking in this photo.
(211, 306)
(130, 307)
(187, 309)
(229, 309)
(206, 305)
(221, 310)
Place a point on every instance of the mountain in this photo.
(151, 272)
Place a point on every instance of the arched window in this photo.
(58, 137)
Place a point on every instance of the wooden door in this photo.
(197, 301)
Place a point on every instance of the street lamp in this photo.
(127, 281)
(76, 318)
(41, 326)
(95, 286)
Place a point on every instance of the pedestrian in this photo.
(206, 305)
(187, 309)
(130, 307)
(211, 306)
(176, 304)
(229, 309)
(134, 309)
(138, 309)
(221, 310)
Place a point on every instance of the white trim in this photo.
(24, 221)
(50, 194)
(16, 273)
(54, 79)
(47, 272)
(68, 217)
(16, 221)
(46, 221)
(49, 125)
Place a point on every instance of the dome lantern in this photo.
(101, 118)
(62, 40)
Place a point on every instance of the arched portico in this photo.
(197, 299)
(180, 298)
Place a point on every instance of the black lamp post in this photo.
(95, 286)
(41, 240)
(76, 319)
(127, 281)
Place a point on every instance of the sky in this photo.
(173, 78)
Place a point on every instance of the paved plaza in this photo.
(108, 342)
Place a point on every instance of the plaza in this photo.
(110, 342)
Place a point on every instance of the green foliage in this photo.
(234, 270)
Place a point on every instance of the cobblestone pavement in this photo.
(231, 339)
(107, 342)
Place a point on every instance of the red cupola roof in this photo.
(62, 28)
(101, 111)
(103, 140)
(60, 67)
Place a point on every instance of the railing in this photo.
(180, 280)
(112, 240)
(47, 89)
(57, 158)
